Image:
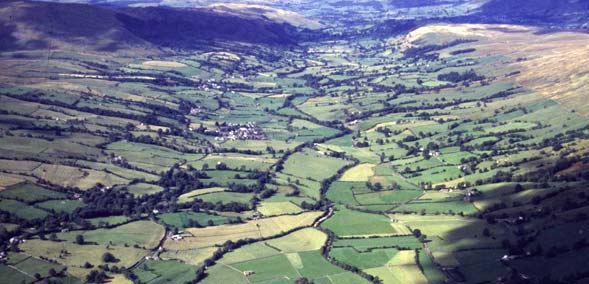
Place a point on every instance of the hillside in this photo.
(37, 25)
(553, 64)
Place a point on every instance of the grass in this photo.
(387, 197)
(224, 274)
(160, 272)
(363, 260)
(346, 222)
(481, 265)
(342, 192)
(113, 220)
(312, 165)
(28, 192)
(438, 207)
(141, 189)
(268, 268)
(307, 239)
(11, 275)
(400, 269)
(278, 208)
(226, 197)
(66, 206)
(292, 256)
(194, 256)
(22, 210)
(182, 219)
(363, 244)
(142, 233)
(80, 254)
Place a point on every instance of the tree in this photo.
(486, 232)
(108, 257)
(79, 239)
(417, 233)
(304, 280)
(52, 272)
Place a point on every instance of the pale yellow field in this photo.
(401, 269)
(360, 172)
(308, 239)
(192, 256)
(210, 236)
(278, 208)
(79, 254)
(7, 180)
(18, 166)
(302, 240)
(76, 177)
(189, 196)
(165, 64)
(401, 229)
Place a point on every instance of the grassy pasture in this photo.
(66, 206)
(364, 244)
(226, 197)
(142, 233)
(346, 222)
(363, 260)
(278, 208)
(438, 207)
(401, 268)
(68, 176)
(281, 261)
(387, 197)
(22, 210)
(28, 192)
(182, 219)
(312, 165)
(151, 157)
(167, 271)
(113, 220)
(342, 192)
(79, 254)
(141, 189)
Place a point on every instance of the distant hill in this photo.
(574, 13)
(33, 25)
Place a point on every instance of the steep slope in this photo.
(555, 65)
(37, 25)
(570, 13)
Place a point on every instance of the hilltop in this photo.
(38, 25)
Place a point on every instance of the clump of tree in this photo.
(455, 77)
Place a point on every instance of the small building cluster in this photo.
(236, 131)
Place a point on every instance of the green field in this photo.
(191, 219)
(346, 222)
